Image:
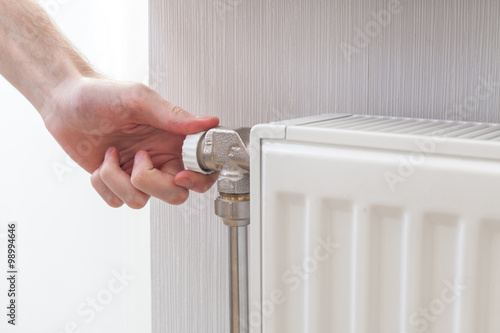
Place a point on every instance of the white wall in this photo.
(70, 242)
(256, 61)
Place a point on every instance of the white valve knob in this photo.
(189, 153)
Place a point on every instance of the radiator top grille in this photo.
(412, 126)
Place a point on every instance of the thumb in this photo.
(162, 114)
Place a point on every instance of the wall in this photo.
(70, 244)
(257, 61)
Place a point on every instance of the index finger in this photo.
(160, 113)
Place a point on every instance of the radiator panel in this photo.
(349, 252)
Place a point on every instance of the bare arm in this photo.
(34, 56)
(123, 133)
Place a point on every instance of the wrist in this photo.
(62, 94)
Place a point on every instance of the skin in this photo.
(123, 133)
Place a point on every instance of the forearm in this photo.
(35, 57)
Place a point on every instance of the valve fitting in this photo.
(223, 150)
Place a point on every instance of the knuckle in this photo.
(176, 110)
(138, 94)
(114, 202)
(106, 171)
(139, 178)
(137, 202)
(177, 114)
(94, 180)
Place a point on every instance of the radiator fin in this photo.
(386, 254)
(290, 227)
(487, 300)
(384, 239)
(439, 253)
(338, 229)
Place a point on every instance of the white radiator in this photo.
(375, 224)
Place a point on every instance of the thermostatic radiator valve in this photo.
(226, 151)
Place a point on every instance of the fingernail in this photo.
(138, 157)
(184, 182)
(108, 152)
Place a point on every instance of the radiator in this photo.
(375, 224)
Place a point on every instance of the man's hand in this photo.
(125, 134)
(128, 137)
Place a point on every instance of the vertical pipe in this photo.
(238, 254)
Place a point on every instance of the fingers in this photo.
(155, 182)
(118, 181)
(196, 181)
(116, 187)
(104, 191)
(156, 111)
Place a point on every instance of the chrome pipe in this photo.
(235, 212)
(238, 260)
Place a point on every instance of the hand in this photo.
(128, 137)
